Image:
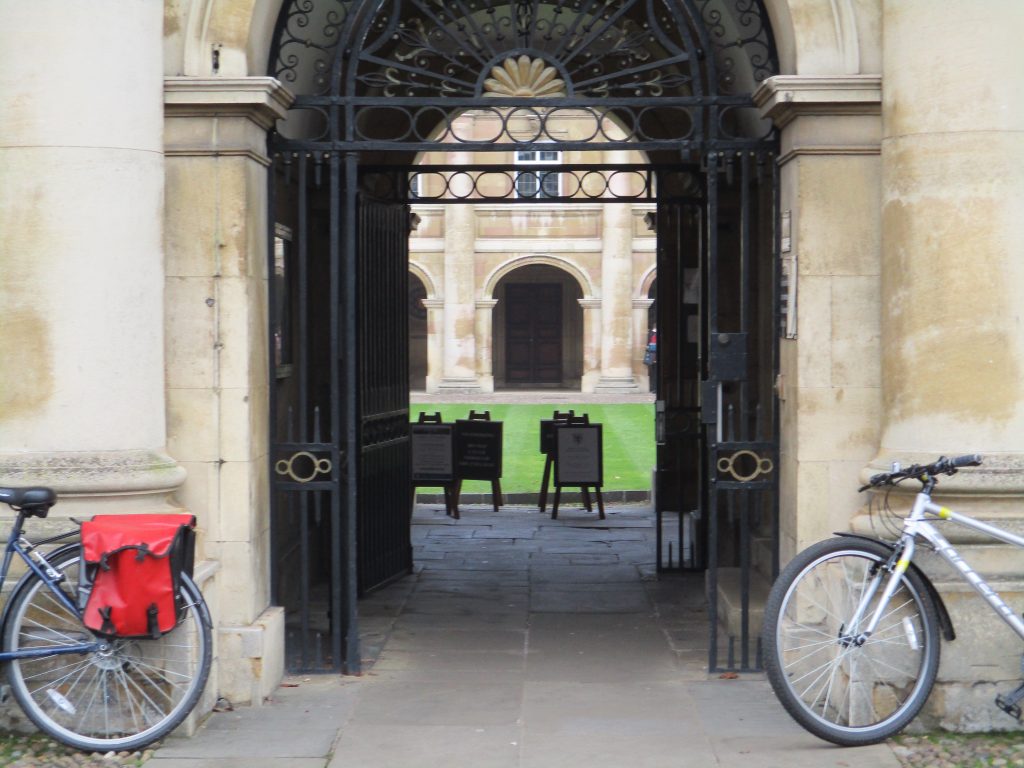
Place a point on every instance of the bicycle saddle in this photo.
(33, 501)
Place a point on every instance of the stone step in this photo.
(730, 601)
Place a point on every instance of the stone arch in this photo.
(425, 277)
(827, 37)
(495, 277)
(646, 280)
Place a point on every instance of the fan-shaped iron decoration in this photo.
(524, 76)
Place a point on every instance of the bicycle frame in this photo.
(18, 544)
(916, 524)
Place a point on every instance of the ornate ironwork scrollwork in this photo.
(763, 465)
(286, 467)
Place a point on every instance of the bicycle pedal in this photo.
(1009, 702)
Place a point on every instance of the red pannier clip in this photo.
(131, 575)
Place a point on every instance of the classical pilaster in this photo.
(616, 287)
(81, 297)
(484, 343)
(217, 366)
(830, 370)
(591, 343)
(435, 341)
(641, 308)
(459, 371)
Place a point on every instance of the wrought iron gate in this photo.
(717, 431)
(377, 81)
(385, 547)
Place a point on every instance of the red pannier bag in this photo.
(131, 572)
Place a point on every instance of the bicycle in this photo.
(851, 630)
(85, 690)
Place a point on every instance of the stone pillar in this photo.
(459, 372)
(81, 296)
(435, 341)
(484, 343)
(829, 381)
(217, 366)
(953, 276)
(616, 289)
(591, 343)
(641, 308)
(952, 280)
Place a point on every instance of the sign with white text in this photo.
(578, 455)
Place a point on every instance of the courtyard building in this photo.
(235, 232)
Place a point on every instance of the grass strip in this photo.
(627, 433)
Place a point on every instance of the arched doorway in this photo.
(538, 329)
(380, 82)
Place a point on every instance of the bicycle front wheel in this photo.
(122, 697)
(842, 692)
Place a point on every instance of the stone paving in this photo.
(522, 642)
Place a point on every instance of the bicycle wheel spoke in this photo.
(123, 693)
(841, 690)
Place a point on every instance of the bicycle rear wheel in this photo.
(839, 691)
(125, 695)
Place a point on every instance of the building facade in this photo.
(136, 368)
(519, 292)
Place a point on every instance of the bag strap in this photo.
(107, 627)
(143, 551)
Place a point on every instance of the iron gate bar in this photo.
(712, 314)
(743, 499)
(349, 556)
(776, 241)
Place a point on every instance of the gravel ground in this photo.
(37, 751)
(943, 750)
(952, 750)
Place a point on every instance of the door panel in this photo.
(533, 335)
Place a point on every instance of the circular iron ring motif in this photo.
(285, 466)
(762, 465)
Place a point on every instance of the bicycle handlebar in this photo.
(924, 472)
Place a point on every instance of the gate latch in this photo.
(729, 356)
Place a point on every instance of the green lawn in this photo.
(628, 437)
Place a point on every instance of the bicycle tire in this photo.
(843, 693)
(123, 697)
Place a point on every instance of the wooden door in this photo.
(533, 333)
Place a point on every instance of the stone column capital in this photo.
(590, 303)
(222, 117)
(783, 98)
(432, 303)
(260, 99)
(486, 303)
(643, 303)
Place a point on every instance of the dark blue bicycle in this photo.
(85, 690)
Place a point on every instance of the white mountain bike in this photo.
(851, 629)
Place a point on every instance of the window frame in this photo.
(542, 190)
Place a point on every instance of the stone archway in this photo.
(538, 329)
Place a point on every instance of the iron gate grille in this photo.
(377, 82)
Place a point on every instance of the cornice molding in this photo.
(260, 99)
(783, 98)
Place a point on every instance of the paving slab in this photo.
(560, 653)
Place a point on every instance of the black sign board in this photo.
(547, 429)
(578, 455)
(478, 449)
(433, 456)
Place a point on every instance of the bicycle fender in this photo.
(21, 585)
(945, 621)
